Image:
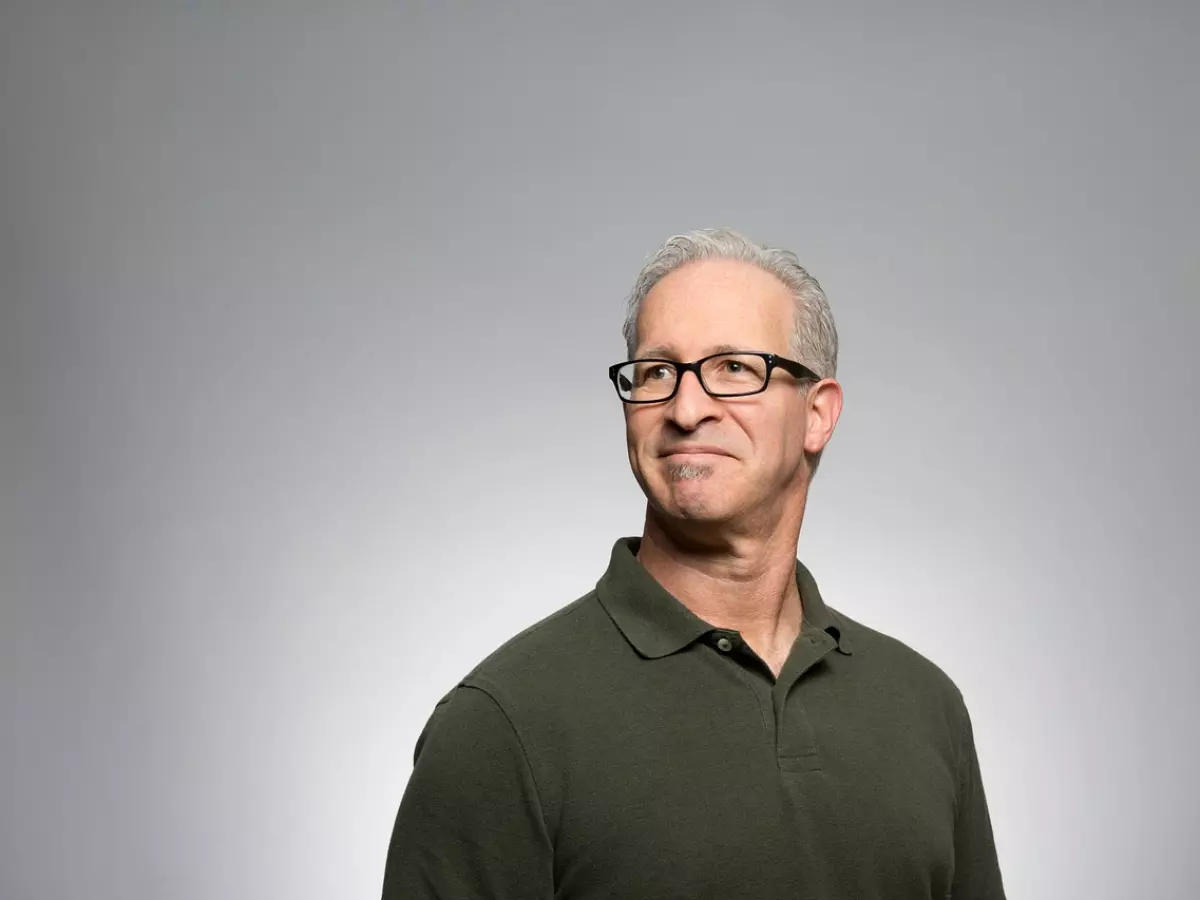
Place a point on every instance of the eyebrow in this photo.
(665, 351)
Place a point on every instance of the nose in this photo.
(691, 404)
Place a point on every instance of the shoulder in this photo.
(887, 659)
(538, 657)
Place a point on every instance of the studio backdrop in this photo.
(273, 279)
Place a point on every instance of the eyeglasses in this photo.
(738, 374)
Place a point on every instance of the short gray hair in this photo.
(814, 340)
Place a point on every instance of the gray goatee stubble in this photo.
(687, 471)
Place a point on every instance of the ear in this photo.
(824, 409)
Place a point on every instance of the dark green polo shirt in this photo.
(624, 748)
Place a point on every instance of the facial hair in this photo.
(687, 471)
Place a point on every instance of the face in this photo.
(704, 459)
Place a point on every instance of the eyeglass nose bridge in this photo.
(681, 369)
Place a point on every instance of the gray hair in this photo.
(814, 340)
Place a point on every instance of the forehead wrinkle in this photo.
(667, 352)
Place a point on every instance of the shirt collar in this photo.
(657, 624)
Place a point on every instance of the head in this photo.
(714, 460)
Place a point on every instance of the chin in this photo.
(688, 493)
(694, 503)
(701, 515)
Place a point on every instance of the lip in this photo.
(696, 450)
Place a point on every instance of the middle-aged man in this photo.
(702, 724)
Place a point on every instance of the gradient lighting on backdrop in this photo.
(246, 544)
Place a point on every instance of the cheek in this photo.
(638, 432)
(753, 429)
(638, 443)
(774, 436)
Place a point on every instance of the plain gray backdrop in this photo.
(274, 475)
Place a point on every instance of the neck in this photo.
(744, 581)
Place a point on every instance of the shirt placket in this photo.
(795, 741)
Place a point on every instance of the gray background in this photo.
(248, 538)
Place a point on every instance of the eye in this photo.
(657, 372)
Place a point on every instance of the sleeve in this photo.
(470, 823)
(976, 868)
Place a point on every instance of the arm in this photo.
(470, 821)
(976, 868)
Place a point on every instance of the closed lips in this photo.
(715, 451)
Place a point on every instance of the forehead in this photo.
(716, 303)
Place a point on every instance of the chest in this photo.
(715, 790)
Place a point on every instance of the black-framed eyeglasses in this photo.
(732, 374)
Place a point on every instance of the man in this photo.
(702, 724)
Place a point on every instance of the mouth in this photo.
(691, 452)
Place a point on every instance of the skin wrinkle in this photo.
(721, 530)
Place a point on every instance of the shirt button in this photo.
(724, 644)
